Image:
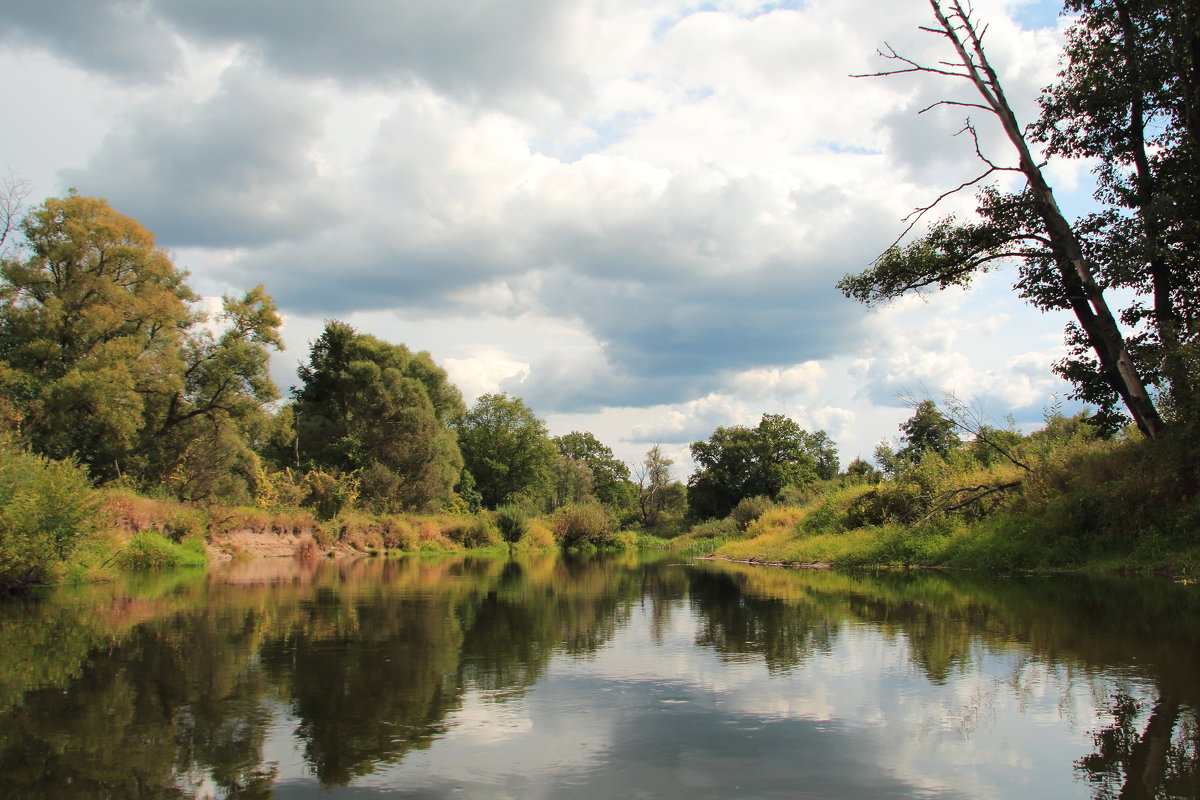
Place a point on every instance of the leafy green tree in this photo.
(92, 329)
(740, 462)
(378, 410)
(571, 481)
(1128, 98)
(506, 449)
(610, 476)
(927, 431)
(104, 357)
(861, 471)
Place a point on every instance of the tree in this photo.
(104, 357)
(374, 408)
(506, 449)
(1128, 98)
(740, 462)
(610, 476)
(1027, 226)
(654, 485)
(927, 431)
(571, 482)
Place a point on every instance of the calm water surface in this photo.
(600, 678)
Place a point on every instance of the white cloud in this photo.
(631, 213)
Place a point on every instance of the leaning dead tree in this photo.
(1073, 271)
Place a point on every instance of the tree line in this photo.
(108, 357)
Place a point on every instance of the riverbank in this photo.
(1127, 505)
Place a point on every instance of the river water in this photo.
(610, 677)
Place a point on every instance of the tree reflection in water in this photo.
(173, 687)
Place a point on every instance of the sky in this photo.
(631, 214)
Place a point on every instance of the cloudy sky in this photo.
(630, 213)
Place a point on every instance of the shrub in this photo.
(749, 509)
(888, 502)
(477, 531)
(398, 534)
(585, 524)
(512, 522)
(539, 536)
(46, 508)
(327, 493)
(182, 522)
(150, 550)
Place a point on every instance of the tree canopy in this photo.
(739, 462)
(378, 410)
(506, 450)
(105, 357)
(609, 475)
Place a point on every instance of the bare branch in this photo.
(952, 103)
(13, 192)
(917, 214)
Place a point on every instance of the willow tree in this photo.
(105, 356)
(1027, 226)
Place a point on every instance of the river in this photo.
(628, 677)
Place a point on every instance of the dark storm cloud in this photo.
(235, 170)
(122, 38)
(474, 46)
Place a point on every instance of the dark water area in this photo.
(610, 677)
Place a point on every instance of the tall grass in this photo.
(1080, 504)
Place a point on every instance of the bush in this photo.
(46, 508)
(750, 509)
(475, 531)
(512, 522)
(540, 536)
(398, 534)
(327, 493)
(149, 550)
(585, 524)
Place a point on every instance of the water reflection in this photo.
(543, 677)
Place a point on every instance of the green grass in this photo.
(1129, 505)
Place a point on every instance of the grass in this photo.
(1127, 505)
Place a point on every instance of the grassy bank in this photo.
(1066, 503)
(54, 527)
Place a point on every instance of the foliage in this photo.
(749, 509)
(506, 449)
(585, 525)
(149, 550)
(108, 361)
(46, 508)
(1082, 501)
(656, 492)
(327, 493)
(476, 531)
(740, 462)
(1126, 99)
(610, 476)
(571, 481)
(512, 522)
(927, 431)
(381, 412)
